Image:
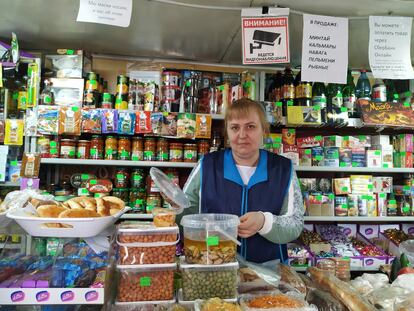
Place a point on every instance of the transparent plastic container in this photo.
(143, 243)
(204, 282)
(146, 283)
(274, 301)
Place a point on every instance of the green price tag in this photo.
(53, 151)
(84, 177)
(84, 191)
(407, 94)
(370, 197)
(124, 153)
(333, 138)
(93, 151)
(70, 52)
(345, 189)
(13, 163)
(319, 197)
(385, 165)
(93, 82)
(109, 151)
(354, 164)
(276, 145)
(137, 177)
(139, 201)
(71, 153)
(407, 104)
(135, 158)
(317, 107)
(75, 108)
(290, 103)
(187, 156)
(308, 151)
(145, 281)
(331, 196)
(213, 240)
(188, 83)
(344, 109)
(47, 99)
(120, 176)
(346, 138)
(79, 154)
(382, 195)
(406, 209)
(342, 164)
(93, 182)
(344, 206)
(401, 136)
(150, 207)
(335, 154)
(278, 104)
(396, 96)
(221, 88)
(118, 101)
(318, 138)
(53, 144)
(165, 156)
(377, 153)
(278, 139)
(370, 187)
(362, 137)
(393, 202)
(319, 158)
(148, 153)
(291, 131)
(403, 153)
(406, 188)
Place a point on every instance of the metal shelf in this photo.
(360, 219)
(117, 163)
(9, 184)
(137, 216)
(353, 169)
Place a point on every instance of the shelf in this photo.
(353, 169)
(9, 184)
(11, 246)
(303, 269)
(360, 219)
(118, 163)
(137, 216)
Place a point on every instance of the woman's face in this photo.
(245, 135)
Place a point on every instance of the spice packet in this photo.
(30, 165)
(156, 122)
(143, 122)
(288, 136)
(126, 122)
(186, 125)
(70, 120)
(91, 121)
(30, 123)
(169, 124)
(109, 121)
(14, 132)
(203, 126)
(48, 117)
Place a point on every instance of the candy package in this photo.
(14, 132)
(126, 122)
(143, 122)
(169, 124)
(186, 125)
(70, 120)
(30, 165)
(109, 121)
(48, 119)
(156, 122)
(91, 121)
(203, 126)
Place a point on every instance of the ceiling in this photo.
(172, 31)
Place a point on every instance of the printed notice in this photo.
(265, 37)
(108, 12)
(389, 47)
(324, 49)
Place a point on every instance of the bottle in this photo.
(392, 94)
(363, 87)
(303, 91)
(319, 98)
(335, 102)
(288, 89)
(350, 97)
(379, 91)
(47, 97)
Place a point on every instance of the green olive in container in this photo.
(210, 239)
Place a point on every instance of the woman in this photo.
(257, 185)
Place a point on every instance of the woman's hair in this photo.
(242, 108)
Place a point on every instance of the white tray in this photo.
(191, 303)
(81, 227)
(144, 303)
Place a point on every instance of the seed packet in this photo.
(203, 126)
(70, 120)
(91, 121)
(48, 120)
(186, 125)
(169, 124)
(30, 123)
(143, 122)
(109, 121)
(30, 165)
(14, 132)
(126, 122)
(156, 122)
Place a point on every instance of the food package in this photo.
(48, 120)
(30, 165)
(324, 301)
(288, 136)
(305, 157)
(1, 131)
(186, 125)
(203, 126)
(126, 122)
(143, 122)
(291, 277)
(369, 282)
(345, 157)
(332, 141)
(274, 301)
(216, 304)
(382, 184)
(109, 121)
(309, 142)
(342, 185)
(156, 122)
(358, 157)
(386, 298)
(91, 121)
(70, 120)
(14, 132)
(169, 124)
(317, 156)
(331, 156)
(292, 153)
(30, 123)
(374, 158)
(99, 185)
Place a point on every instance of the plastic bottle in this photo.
(350, 97)
(379, 91)
(392, 94)
(319, 98)
(363, 87)
(335, 103)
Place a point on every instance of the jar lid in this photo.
(137, 138)
(110, 136)
(96, 136)
(67, 140)
(190, 145)
(200, 221)
(83, 141)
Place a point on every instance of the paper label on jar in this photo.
(81, 152)
(176, 154)
(67, 150)
(213, 240)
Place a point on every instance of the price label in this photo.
(135, 158)
(109, 152)
(385, 165)
(382, 195)
(125, 154)
(392, 201)
(406, 209)
(319, 197)
(137, 177)
(276, 145)
(70, 52)
(308, 151)
(342, 164)
(138, 201)
(291, 131)
(362, 137)
(278, 139)
(344, 109)
(344, 206)
(93, 182)
(145, 281)
(53, 151)
(84, 177)
(187, 156)
(53, 144)
(290, 103)
(213, 240)
(318, 138)
(345, 189)
(278, 104)
(319, 158)
(120, 176)
(79, 154)
(84, 191)
(406, 188)
(331, 196)
(13, 163)
(370, 187)
(396, 96)
(150, 207)
(377, 153)
(317, 107)
(93, 151)
(346, 138)
(71, 153)
(75, 108)
(354, 164)
(407, 104)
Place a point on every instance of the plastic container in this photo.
(210, 239)
(407, 247)
(282, 301)
(146, 283)
(190, 304)
(163, 217)
(142, 243)
(204, 282)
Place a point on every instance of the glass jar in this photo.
(137, 149)
(151, 186)
(43, 146)
(162, 150)
(67, 148)
(111, 148)
(174, 175)
(138, 178)
(83, 149)
(96, 147)
(121, 193)
(176, 152)
(124, 148)
(153, 201)
(54, 147)
(137, 200)
(149, 149)
(216, 143)
(203, 148)
(190, 153)
(121, 178)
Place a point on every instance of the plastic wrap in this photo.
(215, 304)
(405, 281)
(405, 305)
(407, 247)
(324, 301)
(275, 301)
(290, 276)
(367, 283)
(386, 298)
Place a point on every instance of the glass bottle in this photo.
(288, 89)
(319, 98)
(363, 87)
(350, 97)
(303, 91)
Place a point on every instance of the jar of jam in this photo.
(54, 147)
(149, 149)
(137, 200)
(162, 150)
(176, 152)
(83, 149)
(138, 178)
(190, 153)
(43, 146)
(203, 148)
(67, 148)
(121, 178)
(137, 152)
(124, 148)
(121, 193)
(151, 186)
(153, 201)
(97, 148)
(111, 148)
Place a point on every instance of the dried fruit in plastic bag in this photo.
(91, 121)
(30, 165)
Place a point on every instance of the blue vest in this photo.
(223, 191)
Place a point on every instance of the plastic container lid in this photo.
(199, 221)
(170, 190)
(144, 227)
(146, 268)
(224, 266)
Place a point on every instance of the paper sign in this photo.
(324, 49)
(265, 37)
(389, 47)
(4, 151)
(108, 12)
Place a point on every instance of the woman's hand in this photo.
(250, 224)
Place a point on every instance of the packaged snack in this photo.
(203, 126)
(99, 185)
(30, 126)
(1, 131)
(143, 122)
(30, 165)
(14, 132)
(358, 158)
(126, 122)
(342, 186)
(374, 158)
(48, 120)
(70, 120)
(186, 125)
(291, 152)
(382, 184)
(331, 156)
(345, 157)
(288, 136)
(332, 141)
(91, 121)
(317, 156)
(305, 157)
(308, 142)
(109, 121)
(156, 122)
(169, 124)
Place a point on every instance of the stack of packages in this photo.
(146, 263)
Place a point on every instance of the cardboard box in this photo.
(345, 157)
(358, 158)
(76, 64)
(310, 141)
(349, 230)
(369, 231)
(299, 115)
(317, 156)
(381, 140)
(332, 141)
(292, 153)
(67, 92)
(305, 157)
(382, 184)
(341, 186)
(374, 158)
(331, 156)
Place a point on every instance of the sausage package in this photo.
(91, 121)
(14, 132)
(109, 121)
(70, 120)
(30, 165)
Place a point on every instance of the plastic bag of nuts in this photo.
(146, 284)
(144, 243)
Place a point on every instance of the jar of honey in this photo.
(162, 150)
(111, 148)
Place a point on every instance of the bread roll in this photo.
(114, 202)
(88, 203)
(74, 205)
(114, 211)
(101, 207)
(78, 213)
(50, 211)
